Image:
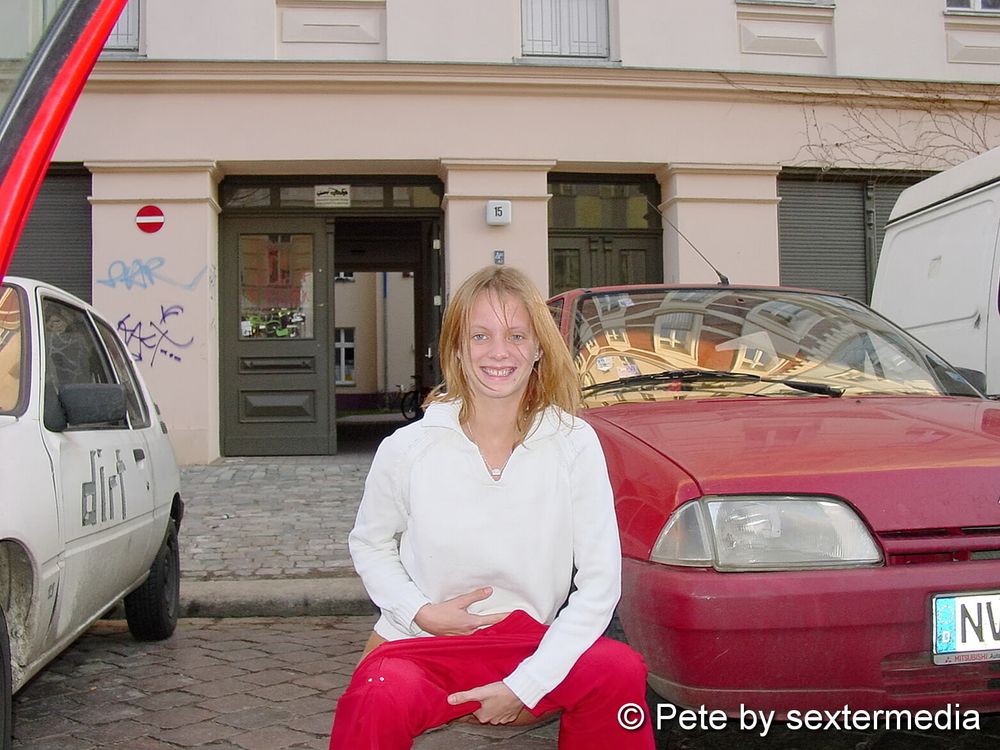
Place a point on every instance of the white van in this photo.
(939, 271)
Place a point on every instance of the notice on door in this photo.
(333, 196)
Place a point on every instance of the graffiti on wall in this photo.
(147, 339)
(144, 274)
(153, 331)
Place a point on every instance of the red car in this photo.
(808, 499)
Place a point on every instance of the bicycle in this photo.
(411, 404)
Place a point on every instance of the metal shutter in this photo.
(56, 244)
(821, 236)
(883, 199)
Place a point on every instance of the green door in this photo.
(276, 319)
(605, 259)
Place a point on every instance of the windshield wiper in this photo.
(820, 389)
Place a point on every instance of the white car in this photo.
(91, 504)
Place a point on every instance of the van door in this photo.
(936, 277)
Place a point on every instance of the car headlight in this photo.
(764, 532)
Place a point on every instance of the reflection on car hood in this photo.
(906, 463)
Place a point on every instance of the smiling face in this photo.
(500, 349)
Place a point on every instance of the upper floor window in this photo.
(565, 28)
(974, 4)
(124, 36)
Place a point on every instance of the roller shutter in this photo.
(56, 244)
(821, 236)
(830, 229)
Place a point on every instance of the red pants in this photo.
(401, 688)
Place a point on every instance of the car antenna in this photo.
(723, 279)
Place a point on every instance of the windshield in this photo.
(661, 344)
(22, 25)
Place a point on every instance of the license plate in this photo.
(966, 628)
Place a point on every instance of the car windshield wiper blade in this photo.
(821, 389)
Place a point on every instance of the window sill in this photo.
(971, 12)
(794, 3)
(581, 62)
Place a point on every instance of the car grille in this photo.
(915, 674)
(941, 545)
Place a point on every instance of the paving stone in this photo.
(180, 716)
(119, 731)
(218, 688)
(197, 735)
(256, 718)
(272, 738)
(233, 703)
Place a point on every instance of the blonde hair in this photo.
(553, 380)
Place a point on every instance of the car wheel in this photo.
(151, 610)
(6, 689)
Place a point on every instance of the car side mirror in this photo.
(976, 378)
(93, 403)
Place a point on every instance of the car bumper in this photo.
(803, 640)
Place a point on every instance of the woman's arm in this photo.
(374, 541)
(597, 556)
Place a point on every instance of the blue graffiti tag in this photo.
(142, 274)
(152, 338)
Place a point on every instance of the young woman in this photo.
(472, 524)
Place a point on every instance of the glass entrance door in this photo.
(276, 318)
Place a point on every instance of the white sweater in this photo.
(459, 530)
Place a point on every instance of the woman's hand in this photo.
(497, 703)
(451, 618)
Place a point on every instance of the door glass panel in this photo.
(632, 269)
(276, 286)
(565, 270)
(597, 205)
(246, 197)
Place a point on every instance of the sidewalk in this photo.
(265, 537)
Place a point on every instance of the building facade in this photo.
(274, 197)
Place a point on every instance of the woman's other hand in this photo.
(497, 703)
(451, 617)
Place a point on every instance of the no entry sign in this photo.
(149, 219)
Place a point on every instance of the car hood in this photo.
(906, 463)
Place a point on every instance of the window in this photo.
(276, 286)
(565, 28)
(73, 356)
(71, 350)
(583, 203)
(12, 350)
(986, 5)
(344, 356)
(124, 36)
(138, 414)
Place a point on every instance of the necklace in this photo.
(495, 472)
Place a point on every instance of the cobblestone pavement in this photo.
(286, 517)
(272, 684)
